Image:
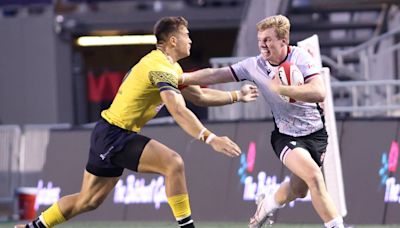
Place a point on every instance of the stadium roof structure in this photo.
(129, 16)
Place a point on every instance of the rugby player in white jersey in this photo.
(299, 138)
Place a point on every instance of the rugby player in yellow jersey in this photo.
(116, 143)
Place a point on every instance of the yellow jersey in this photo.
(138, 98)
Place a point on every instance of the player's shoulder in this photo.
(297, 52)
(298, 55)
(154, 58)
(156, 61)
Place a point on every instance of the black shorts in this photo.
(315, 143)
(112, 149)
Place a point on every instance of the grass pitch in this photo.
(108, 224)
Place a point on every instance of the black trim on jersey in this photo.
(234, 74)
(321, 112)
(287, 55)
(309, 76)
(166, 86)
(160, 76)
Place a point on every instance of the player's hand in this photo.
(274, 84)
(248, 93)
(226, 146)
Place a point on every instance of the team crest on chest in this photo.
(269, 71)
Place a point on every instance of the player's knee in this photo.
(176, 164)
(314, 180)
(300, 192)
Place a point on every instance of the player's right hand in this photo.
(226, 146)
(248, 93)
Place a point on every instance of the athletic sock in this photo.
(186, 222)
(270, 204)
(335, 223)
(52, 216)
(37, 223)
(181, 209)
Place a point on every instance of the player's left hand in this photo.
(248, 93)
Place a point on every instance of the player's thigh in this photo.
(95, 187)
(130, 155)
(158, 158)
(300, 163)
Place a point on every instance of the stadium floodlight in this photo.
(86, 41)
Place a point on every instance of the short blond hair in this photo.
(280, 23)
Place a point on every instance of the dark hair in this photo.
(166, 26)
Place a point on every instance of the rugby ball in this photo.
(290, 75)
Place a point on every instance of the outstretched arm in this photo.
(212, 97)
(191, 125)
(207, 76)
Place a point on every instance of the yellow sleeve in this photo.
(164, 80)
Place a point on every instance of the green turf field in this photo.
(173, 225)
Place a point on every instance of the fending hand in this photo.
(248, 93)
(226, 146)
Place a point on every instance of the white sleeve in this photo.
(241, 70)
(306, 65)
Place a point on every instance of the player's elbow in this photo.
(200, 102)
(320, 95)
(198, 99)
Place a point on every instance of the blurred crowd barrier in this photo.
(52, 158)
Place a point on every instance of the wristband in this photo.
(204, 135)
(230, 96)
(201, 134)
(237, 95)
(234, 96)
(210, 138)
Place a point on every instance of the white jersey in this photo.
(294, 119)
